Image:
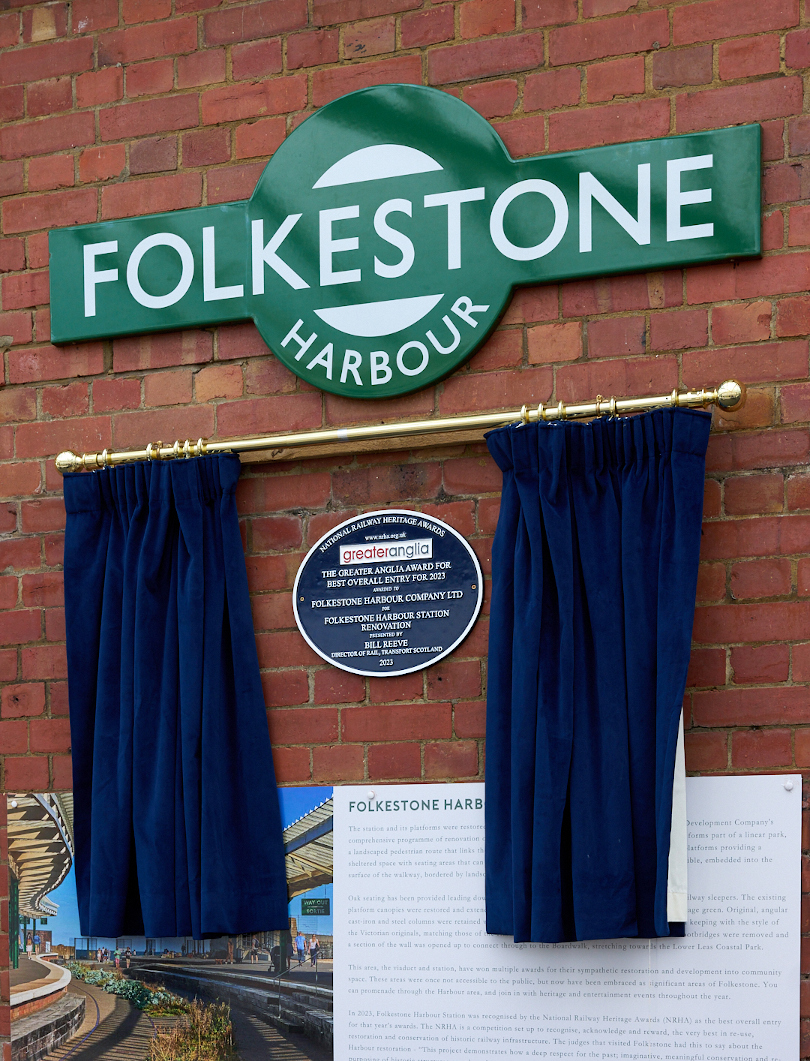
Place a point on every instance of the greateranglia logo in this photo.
(386, 234)
(379, 551)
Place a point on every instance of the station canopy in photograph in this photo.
(308, 850)
(40, 840)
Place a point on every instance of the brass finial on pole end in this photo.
(730, 394)
(68, 461)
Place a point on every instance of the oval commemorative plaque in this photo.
(387, 593)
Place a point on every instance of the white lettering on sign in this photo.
(676, 198)
(527, 254)
(330, 246)
(93, 276)
(266, 255)
(637, 228)
(160, 239)
(394, 237)
(453, 201)
(416, 549)
(210, 290)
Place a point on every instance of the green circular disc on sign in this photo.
(374, 267)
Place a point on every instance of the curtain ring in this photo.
(176, 449)
(674, 397)
(186, 449)
(541, 412)
(149, 455)
(103, 457)
(524, 414)
(200, 448)
(599, 400)
(613, 406)
(561, 413)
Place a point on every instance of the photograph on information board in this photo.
(252, 995)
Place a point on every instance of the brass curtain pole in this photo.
(728, 395)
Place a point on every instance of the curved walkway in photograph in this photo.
(114, 1030)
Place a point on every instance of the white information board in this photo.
(421, 979)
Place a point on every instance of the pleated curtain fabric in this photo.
(595, 564)
(177, 823)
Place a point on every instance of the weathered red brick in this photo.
(760, 664)
(622, 77)
(523, 136)
(392, 761)
(746, 495)
(761, 748)
(741, 323)
(27, 773)
(102, 163)
(616, 337)
(374, 37)
(339, 762)
(485, 18)
(329, 84)
(261, 138)
(493, 99)
(49, 97)
(236, 102)
(256, 59)
(206, 147)
(12, 103)
(760, 578)
(731, 18)
(648, 375)
(314, 48)
(423, 27)
(46, 60)
(25, 289)
(253, 21)
(174, 192)
(149, 79)
(201, 68)
(610, 124)
(143, 352)
(46, 135)
(616, 36)
(151, 116)
(540, 13)
(26, 699)
(549, 343)
(551, 89)
(154, 155)
(173, 37)
(679, 329)
(706, 751)
(778, 274)
(91, 15)
(776, 98)
(462, 62)
(53, 171)
(748, 57)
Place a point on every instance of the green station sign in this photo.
(386, 234)
(315, 907)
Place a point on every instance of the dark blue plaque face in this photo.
(387, 593)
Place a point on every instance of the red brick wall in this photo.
(111, 108)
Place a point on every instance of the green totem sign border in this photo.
(385, 236)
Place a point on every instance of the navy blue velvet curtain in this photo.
(177, 823)
(593, 590)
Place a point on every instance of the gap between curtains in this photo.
(177, 823)
(594, 576)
